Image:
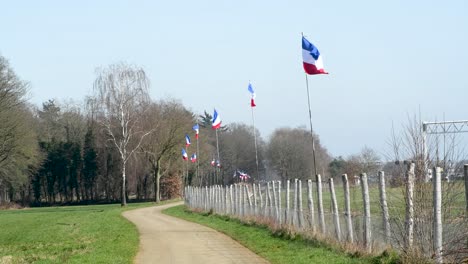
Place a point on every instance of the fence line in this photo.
(245, 201)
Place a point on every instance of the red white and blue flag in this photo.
(252, 93)
(311, 58)
(193, 158)
(218, 164)
(216, 121)
(243, 176)
(197, 130)
(184, 154)
(187, 140)
(213, 163)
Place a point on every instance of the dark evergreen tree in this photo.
(90, 165)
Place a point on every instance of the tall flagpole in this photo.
(186, 164)
(198, 153)
(217, 149)
(311, 129)
(255, 141)
(310, 120)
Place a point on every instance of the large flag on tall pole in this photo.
(193, 158)
(313, 64)
(252, 105)
(184, 154)
(252, 94)
(196, 128)
(216, 122)
(312, 61)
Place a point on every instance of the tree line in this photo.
(120, 144)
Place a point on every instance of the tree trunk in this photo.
(124, 198)
(157, 178)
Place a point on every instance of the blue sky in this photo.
(386, 60)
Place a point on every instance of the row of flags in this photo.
(216, 123)
(312, 63)
(193, 158)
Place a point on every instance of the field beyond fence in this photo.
(421, 220)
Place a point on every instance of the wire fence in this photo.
(372, 218)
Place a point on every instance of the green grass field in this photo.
(453, 198)
(273, 248)
(72, 234)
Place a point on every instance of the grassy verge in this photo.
(72, 234)
(273, 247)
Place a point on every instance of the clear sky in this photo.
(387, 59)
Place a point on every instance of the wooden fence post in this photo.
(349, 219)
(286, 212)
(270, 201)
(236, 199)
(239, 200)
(436, 181)
(310, 205)
(409, 216)
(383, 206)
(466, 185)
(231, 202)
(294, 215)
(261, 197)
(267, 193)
(336, 214)
(206, 198)
(300, 212)
(367, 216)
(320, 204)
(279, 202)
(226, 199)
(275, 201)
(254, 199)
(248, 198)
(244, 200)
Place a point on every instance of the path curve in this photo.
(166, 239)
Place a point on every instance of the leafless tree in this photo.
(366, 161)
(408, 146)
(290, 153)
(122, 93)
(169, 120)
(238, 152)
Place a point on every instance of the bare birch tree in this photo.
(121, 92)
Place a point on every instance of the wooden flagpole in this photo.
(255, 141)
(311, 128)
(198, 152)
(310, 121)
(217, 150)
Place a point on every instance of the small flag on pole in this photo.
(197, 130)
(187, 140)
(243, 176)
(216, 121)
(193, 158)
(184, 154)
(311, 58)
(213, 163)
(252, 93)
(218, 164)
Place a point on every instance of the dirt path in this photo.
(166, 239)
